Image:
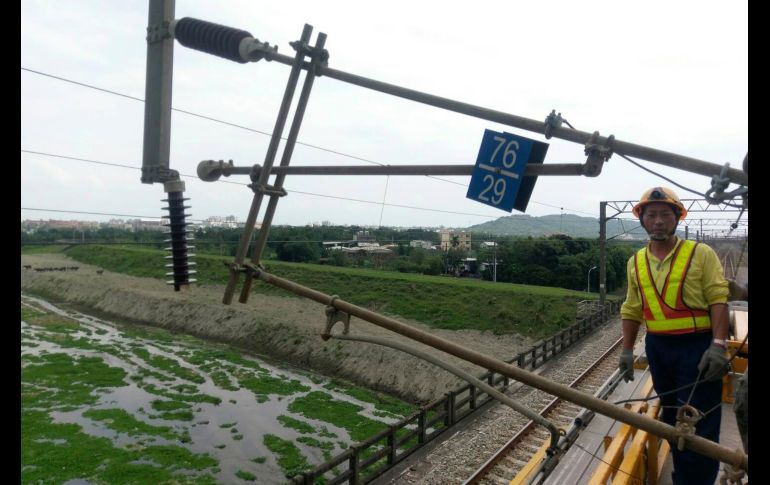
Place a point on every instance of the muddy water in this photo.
(231, 431)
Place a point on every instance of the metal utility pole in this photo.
(495, 253)
(602, 252)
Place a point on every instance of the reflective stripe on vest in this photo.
(666, 312)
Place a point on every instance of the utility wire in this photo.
(651, 171)
(235, 125)
(228, 123)
(195, 177)
(97, 213)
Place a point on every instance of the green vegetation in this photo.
(169, 365)
(296, 424)
(28, 312)
(451, 303)
(320, 405)
(123, 422)
(60, 380)
(173, 410)
(153, 389)
(155, 451)
(266, 384)
(43, 249)
(390, 406)
(245, 475)
(55, 452)
(290, 459)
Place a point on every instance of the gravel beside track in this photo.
(456, 458)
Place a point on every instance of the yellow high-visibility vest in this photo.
(665, 311)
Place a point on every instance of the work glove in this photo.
(626, 364)
(713, 364)
(737, 292)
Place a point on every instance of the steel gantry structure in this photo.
(240, 46)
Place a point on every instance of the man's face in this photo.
(659, 220)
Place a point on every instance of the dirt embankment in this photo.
(282, 328)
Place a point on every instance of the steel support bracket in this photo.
(250, 268)
(333, 315)
(158, 174)
(597, 154)
(269, 190)
(552, 121)
(731, 475)
(264, 189)
(254, 50)
(158, 32)
(211, 170)
(319, 57)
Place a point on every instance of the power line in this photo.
(235, 125)
(228, 123)
(403, 206)
(97, 213)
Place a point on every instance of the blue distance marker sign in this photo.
(498, 178)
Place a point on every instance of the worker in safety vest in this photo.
(677, 288)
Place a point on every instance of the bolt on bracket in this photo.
(552, 121)
(158, 32)
(597, 154)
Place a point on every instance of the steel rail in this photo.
(696, 443)
(499, 454)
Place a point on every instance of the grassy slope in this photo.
(441, 302)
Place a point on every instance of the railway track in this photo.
(469, 449)
(516, 453)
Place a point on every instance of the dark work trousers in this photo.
(673, 361)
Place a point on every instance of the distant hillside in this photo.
(569, 224)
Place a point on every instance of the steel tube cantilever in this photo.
(625, 148)
(696, 443)
(210, 170)
(253, 50)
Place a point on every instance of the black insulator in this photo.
(211, 38)
(180, 258)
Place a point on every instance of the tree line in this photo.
(556, 260)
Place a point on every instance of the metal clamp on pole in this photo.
(716, 194)
(158, 32)
(333, 315)
(597, 154)
(248, 268)
(266, 189)
(731, 475)
(552, 121)
(318, 55)
(686, 418)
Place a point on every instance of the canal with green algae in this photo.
(104, 402)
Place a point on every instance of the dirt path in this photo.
(283, 328)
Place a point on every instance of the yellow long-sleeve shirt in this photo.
(704, 284)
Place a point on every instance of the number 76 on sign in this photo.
(498, 178)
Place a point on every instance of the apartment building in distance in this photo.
(463, 239)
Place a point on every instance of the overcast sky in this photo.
(669, 75)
